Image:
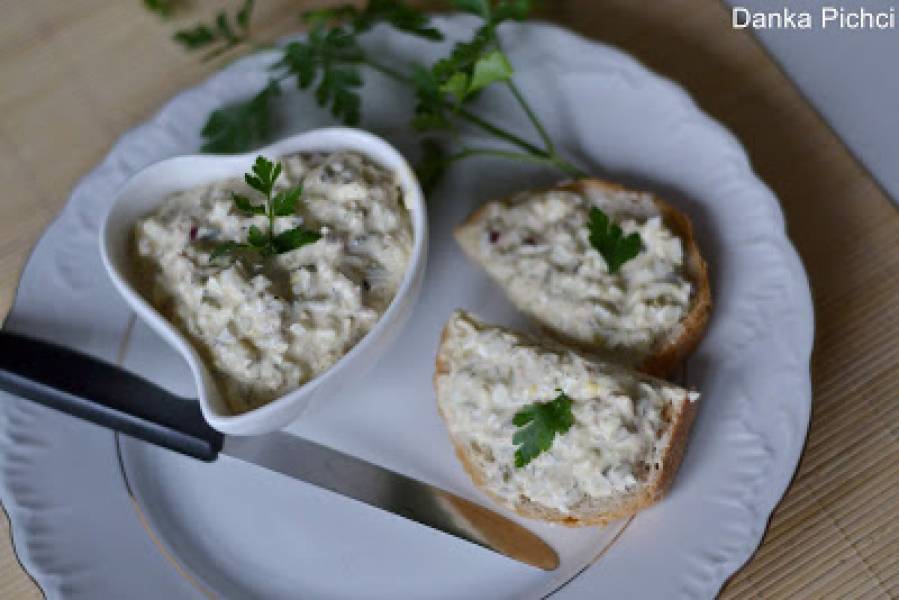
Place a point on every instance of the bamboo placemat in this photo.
(79, 73)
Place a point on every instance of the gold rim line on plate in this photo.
(193, 580)
(145, 523)
(602, 552)
(135, 504)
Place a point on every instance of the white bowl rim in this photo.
(270, 416)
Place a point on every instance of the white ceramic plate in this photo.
(95, 516)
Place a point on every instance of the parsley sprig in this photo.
(222, 34)
(164, 8)
(240, 126)
(538, 426)
(397, 14)
(262, 178)
(609, 240)
(331, 62)
(327, 59)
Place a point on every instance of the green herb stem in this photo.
(509, 154)
(501, 133)
(270, 209)
(532, 153)
(553, 161)
(464, 114)
(229, 128)
(566, 167)
(519, 156)
(389, 71)
(213, 54)
(526, 107)
(547, 141)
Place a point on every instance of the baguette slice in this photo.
(619, 456)
(648, 316)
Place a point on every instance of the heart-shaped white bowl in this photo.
(147, 189)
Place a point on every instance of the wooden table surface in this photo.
(79, 73)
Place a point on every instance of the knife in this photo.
(112, 397)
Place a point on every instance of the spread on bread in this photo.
(625, 294)
(612, 457)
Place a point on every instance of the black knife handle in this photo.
(97, 391)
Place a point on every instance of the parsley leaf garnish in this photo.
(430, 110)
(608, 239)
(220, 31)
(489, 68)
(244, 14)
(497, 11)
(293, 239)
(330, 63)
(264, 175)
(256, 238)
(393, 12)
(244, 205)
(198, 36)
(262, 178)
(338, 88)
(516, 10)
(472, 65)
(397, 14)
(479, 62)
(319, 17)
(164, 8)
(224, 249)
(329, 58)
(480, 8)
(285, 203)
(240, 126)
(538, 425)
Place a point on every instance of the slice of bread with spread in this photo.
(623, 441)
(649, 314)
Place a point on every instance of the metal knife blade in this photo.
(379, 487)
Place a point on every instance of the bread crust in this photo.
(657, 485)
(671, 353)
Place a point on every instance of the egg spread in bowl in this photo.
(268, 322)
